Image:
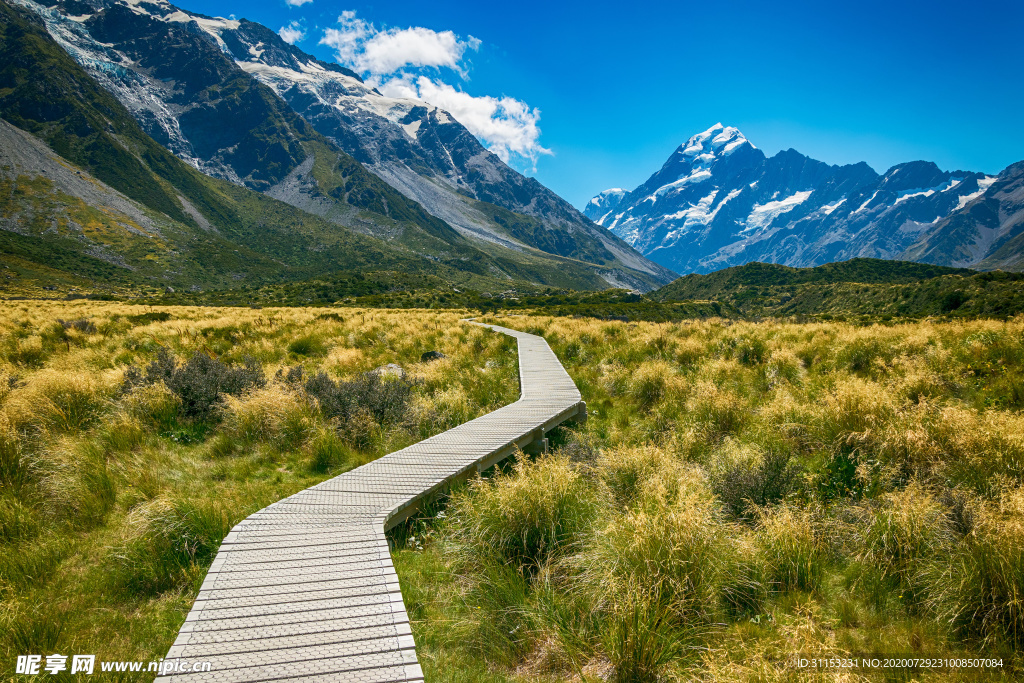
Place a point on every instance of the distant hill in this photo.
(860, 287)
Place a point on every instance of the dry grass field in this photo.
(132, 439)
(741, 494)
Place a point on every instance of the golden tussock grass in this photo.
(761, 490)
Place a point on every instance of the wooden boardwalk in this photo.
(305, 589)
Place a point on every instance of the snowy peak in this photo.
(718, 201)
(607, 200)
(600, 208)
(718, 140)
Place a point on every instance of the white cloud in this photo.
(296, 3)
(393, 60)
(359, 45)
(293, 32)
(506, 126)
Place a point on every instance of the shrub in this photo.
(81, 325)
(199, 383)
(385, 399)
(150, 317)
(327, 452)
(525, 518)
(308, 345)
(767, 480)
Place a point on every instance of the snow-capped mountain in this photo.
(237, 102)
(986, 232)
(718, 201)
(605, 202)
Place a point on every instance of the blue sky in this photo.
(614, 88)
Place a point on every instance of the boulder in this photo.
(390, 370)
(431, 355)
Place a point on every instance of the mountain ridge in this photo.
(867, 290)
(113, 195)
(235, 101)
(718, 201)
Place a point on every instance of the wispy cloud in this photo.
(296, 3)
(293, 32)
(410, 63)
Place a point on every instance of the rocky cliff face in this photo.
(987, 230)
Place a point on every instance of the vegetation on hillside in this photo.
(742, 494)
(861, 289)
(133, 438)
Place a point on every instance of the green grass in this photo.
(114, 499)
(748, 492)
(741, 492)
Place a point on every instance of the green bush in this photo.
(199, 383)
(327, 452)
(308, 345)
(745, 486)
(386, 399)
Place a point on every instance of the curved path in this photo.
(305, 590)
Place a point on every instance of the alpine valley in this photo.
(144, 144)
(720, 202)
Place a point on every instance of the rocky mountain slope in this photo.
(236, 102)
(718, 201)
(85, 192)
(986, 233)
